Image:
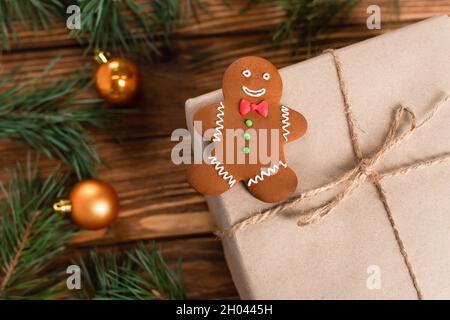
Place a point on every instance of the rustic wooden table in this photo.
(157, 203)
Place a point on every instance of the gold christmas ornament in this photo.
(92, 204)
(117, 79)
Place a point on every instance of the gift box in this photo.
(382, 225)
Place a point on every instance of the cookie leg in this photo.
(276, 187)
(206, 179)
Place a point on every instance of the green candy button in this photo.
(246, 136)
(248, 123)
(246, 150)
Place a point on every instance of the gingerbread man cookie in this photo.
(261, 126)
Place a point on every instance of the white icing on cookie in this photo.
(266, 173)
(219, 126)
(218, 166)
(285, 121)
(254, 93)
(247, 73)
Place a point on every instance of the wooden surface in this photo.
(157, 203)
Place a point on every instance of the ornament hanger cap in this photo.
(62, 206)
(101, 56)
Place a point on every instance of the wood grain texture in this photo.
(157, 203)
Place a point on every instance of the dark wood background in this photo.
(157, 203)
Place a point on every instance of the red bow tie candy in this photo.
(262, 108)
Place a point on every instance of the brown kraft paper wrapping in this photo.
(331, 259)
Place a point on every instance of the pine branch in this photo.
(167, 14)
(20, 248)
(108, 25)
(47, 120)
(32, 15)
(140, 274)
(30, 233)
(116, 26)
(164, 16)
(120, 26)
(305, 20)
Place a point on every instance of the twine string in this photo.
(363, 170)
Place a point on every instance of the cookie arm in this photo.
(298, 124)
(208, 116)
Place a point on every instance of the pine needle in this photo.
(116, 26)
(109, 25)
(47, 120)
(120, 26)
(140, 274)
(307, 19)
(33, 15)
(31, 235)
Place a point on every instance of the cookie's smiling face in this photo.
(254, 79)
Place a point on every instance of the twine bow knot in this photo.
(365, 169)
(366, 166)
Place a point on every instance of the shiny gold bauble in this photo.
(94, 204)
(117, 80)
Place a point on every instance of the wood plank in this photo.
(151, 227)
